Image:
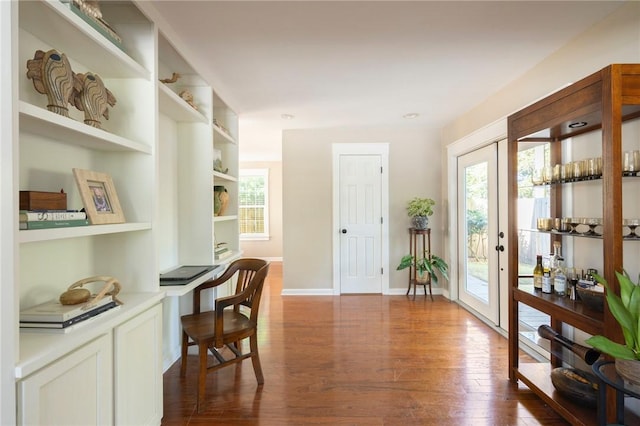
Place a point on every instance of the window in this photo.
(253, 210)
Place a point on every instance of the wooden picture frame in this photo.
(99, 197)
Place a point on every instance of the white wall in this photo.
(307, 197)
(272, 248)
(616, 39)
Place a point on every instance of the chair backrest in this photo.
(251, 274)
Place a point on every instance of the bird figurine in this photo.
(174, 77)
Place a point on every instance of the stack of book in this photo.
(43, 219)
(221, 252)
(90, 12)
(54, 317)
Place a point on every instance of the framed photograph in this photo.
(99, 197)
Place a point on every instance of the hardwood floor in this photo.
(362, 360)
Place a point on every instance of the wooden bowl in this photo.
(591, 298)
(576, 384)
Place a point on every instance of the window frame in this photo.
(258, 172)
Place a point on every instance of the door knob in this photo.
(500, 248)
(344, 231)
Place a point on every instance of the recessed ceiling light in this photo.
(411, 115)
(287, 116)
(577, 124)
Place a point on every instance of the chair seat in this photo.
(201, 327)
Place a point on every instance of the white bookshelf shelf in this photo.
(177, 108)
(37, 235)
(39, 121)
(54, 22)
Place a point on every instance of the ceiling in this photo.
(363, 63)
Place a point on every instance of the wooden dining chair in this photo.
(228, 324)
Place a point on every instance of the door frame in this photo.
(487, 155)
(381, 149)
(489, 134)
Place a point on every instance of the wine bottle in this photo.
(538, 272)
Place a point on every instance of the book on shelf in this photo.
(219, 250)
(96, 22)
(72, 327)
(51, 215)
(63, 324)
(48, 224)
(54, 311)
(222, 255)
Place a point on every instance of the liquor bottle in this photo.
(538, 272)
(547, 283)
(559, 278)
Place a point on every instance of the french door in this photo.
(479, 238)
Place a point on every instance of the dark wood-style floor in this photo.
(362, 360)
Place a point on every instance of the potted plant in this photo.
(626, 310)
(419, 210)
(425, 265)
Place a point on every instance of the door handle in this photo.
(500, 248)
(344, 231)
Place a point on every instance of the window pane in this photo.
(253, 202)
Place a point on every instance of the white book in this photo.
(50, 215)
(54, 311)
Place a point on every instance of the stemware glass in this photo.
(632, 224)
(591, 222)
(574, 222)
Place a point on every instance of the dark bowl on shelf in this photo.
(592, 299)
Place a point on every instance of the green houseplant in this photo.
(425, 264)
(419, 210)
(626, 310)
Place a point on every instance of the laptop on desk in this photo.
(185, 274)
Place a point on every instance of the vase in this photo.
(220, 200)
(629, 370)
(420, 222)
(422, 277)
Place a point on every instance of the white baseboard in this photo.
(169, 359)
(307, 292)
(419, 291)
(329, 292)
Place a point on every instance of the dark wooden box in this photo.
(38, 200)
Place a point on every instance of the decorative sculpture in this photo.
(589, 355)
(188, 97)
(93, 98)
(174, 77)
(52, 75)
(76, 294)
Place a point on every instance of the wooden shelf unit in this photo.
(603, 101)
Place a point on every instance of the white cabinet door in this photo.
(138, 369)
(74, 390)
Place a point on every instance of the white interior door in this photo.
(360, 221)
(478, 284)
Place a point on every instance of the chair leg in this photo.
(202, 375)
(255, 358)
(185, 347)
